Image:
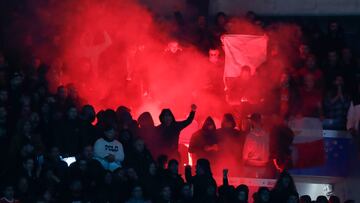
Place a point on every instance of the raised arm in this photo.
(189, 119)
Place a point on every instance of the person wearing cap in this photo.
(256, 149)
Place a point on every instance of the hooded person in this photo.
(169, 131)
(231, 143)
(203, 143)
(147, 132)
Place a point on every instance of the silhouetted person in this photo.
(169, 131)
(284, 187)
(147, 131)
(203, 143)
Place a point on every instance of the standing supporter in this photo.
(256, 151)
(108, 151)
(231, 143)
(203, 143)
(169, 131)
(148, 133)
(139, 158)
(87, 132)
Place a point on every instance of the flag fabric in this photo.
(241, 50)
(309, 145)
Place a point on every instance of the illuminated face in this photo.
(173, 47)
(214, 55)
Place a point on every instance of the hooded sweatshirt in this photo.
(169, 135)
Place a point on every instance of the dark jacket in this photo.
(169, 135)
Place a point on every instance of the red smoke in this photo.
(115, 53)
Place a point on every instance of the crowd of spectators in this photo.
(121, 159)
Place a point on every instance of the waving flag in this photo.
(241, 50)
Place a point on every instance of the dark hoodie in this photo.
(231, 144)
(202, 139)
(169, 135)
(147, 132)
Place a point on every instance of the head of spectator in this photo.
(214, 55)
(309, 82)
(132, 175)
(203, 167)
(88, 152)
(250, 16)
(173, 47)
(28, 165)
(304, 50)
(87, 113)
(165, 193)
(72, 113)
(346, 55)
(311, 63)
(137, 193)
(262, 195)
(242, 193)
(334, 199)
(293, 198)
(228, 121)
(305, 199)
(245, 74)
(209, 125)
(54, 154)
(109, 133)
(166, 117)
(61, 93)
(321, 199)
(332, 58)
(255, 120)
(152, 169)
(173, 167)
(139, 145)
(186, 192)
(162, 161)
(221, 19)
(202, 22)
(145, 120)
(16, 80)
(4, 96)
(285, 183)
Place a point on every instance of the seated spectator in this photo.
(321, 199)
(336, 106)
(137, 196)
(108, 151)
(186, 194)
(139, 158)
(203, 143)
(305, 199)
(173, 179)
(165, 195)
(262, 195)
(256, 151)
(242, 194)
(334, 199)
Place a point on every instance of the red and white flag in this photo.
(241, 50)
(308, 148)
